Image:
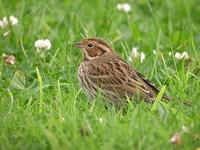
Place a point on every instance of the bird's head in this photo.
(93, 48)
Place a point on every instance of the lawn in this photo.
(41, 103)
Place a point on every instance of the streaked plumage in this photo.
(103, 71)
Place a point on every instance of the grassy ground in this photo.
(51, 112)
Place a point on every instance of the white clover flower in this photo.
(136, 54)
(178, 56)
(124, 7)
(13, 20)
(176, 138)
(185, 55)
(42, 44)
(9, 59)
(3, 22)
(142, 57)
(181, 56)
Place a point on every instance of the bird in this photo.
(104, 72)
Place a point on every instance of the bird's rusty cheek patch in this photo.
(93, 52)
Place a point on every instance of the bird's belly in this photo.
(86, 85)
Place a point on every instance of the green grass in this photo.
(49, 111)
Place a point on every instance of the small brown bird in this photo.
(103, 71)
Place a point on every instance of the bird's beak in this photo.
(78, 44)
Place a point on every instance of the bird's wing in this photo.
(152, 86)
(117, 76)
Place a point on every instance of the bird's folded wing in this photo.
(119, 77)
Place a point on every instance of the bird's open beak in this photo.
(78, 44)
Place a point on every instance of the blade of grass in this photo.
(158, 98)
(40, 90)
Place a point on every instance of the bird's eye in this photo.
(90, 45)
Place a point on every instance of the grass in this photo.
(41, 104)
